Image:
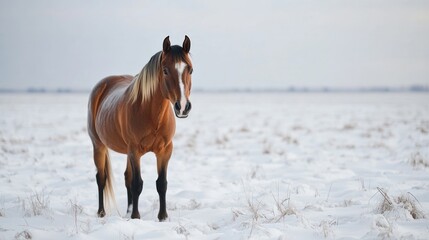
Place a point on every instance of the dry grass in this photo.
(418, 161)
(75, 211)
(407, 202)
(384, 227)
(23, 235)
(181, 229)
(222, 140)
(258, 211)
(349, 126)
(283, 208)
(36, 204)
(2, 210)
(326, 227)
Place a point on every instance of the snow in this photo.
(245, 165)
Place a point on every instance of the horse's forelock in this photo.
(179, 55)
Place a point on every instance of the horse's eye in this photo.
(165, 71)
(191, 70)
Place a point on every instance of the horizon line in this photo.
(291, 89)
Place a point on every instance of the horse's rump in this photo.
(101, 93)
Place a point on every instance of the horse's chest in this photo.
(156, 141)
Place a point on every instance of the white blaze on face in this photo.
(180, 67)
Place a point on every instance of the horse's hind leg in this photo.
(162, 158)
(100, 155)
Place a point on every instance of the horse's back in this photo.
(99, 94)
(109, 83)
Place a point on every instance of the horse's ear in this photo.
(186, 44)
(166, 45)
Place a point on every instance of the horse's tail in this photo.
(109, 193)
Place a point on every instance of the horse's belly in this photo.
(110, 137)
(117, 146)
(108, 130)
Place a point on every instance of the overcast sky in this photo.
(235, 44)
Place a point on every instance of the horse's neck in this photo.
(157, 102)
(153, 107)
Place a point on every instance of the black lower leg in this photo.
(128, 186)
(130, 199)
(101, 182)
(136, 189)
(161, 187)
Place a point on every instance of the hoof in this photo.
(101, 213)
(162, 216)
(135, 215)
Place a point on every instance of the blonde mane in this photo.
(146, 82)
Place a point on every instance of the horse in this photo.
(135, 115)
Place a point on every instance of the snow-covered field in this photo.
(259, 166)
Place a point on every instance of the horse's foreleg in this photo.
(100, 163)
(128, 178)
(136, 183)
(161, 183)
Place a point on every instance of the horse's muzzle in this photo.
(182, 113)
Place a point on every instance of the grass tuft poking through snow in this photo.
(182, 230)
(397, 205)
(418, 161)
(24, 235)
(76, 210)
(261, 210)
(326, 227)
(283, 208)
(36, 204)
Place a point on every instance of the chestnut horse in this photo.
(133, 116)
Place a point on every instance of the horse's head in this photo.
(176, 76)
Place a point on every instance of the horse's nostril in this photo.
(188, 106)
(177, 106)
